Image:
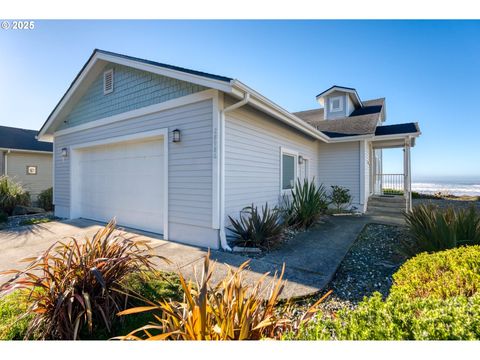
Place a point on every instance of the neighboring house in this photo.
(175, 151)
(26, 159)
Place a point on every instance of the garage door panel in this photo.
(125, 181)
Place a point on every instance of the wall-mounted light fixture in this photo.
(300, 159)
(64, 153)
(176, 136)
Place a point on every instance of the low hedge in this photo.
(440, 275)
(456, 318)
(434, 297)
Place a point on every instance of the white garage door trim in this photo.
(75, 164)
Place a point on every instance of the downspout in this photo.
(223, 236)
(6, 162)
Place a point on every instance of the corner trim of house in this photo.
(136, 136)
(362, 145)
(217, 104)
(170, 104)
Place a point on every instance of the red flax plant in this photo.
(76, 285)
(229, 310)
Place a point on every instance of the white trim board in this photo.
(170, 104)
(27, 151)
(74, 167)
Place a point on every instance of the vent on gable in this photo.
(108, 81)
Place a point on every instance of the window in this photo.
(336, 103)
(288, 170)
(31, 170)
(108, 82)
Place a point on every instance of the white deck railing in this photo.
(392, 184)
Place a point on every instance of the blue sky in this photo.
(428, 71)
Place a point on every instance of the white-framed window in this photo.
(108, 82)
(336, 103)
(288, 169)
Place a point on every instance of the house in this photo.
(25, 159)
(175, 151)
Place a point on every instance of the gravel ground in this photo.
(444, 203)
(368, 267)
(14, 221)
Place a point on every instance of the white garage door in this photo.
(124, 180)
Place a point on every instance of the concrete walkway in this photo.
(311, 258)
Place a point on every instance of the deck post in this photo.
(407, 175)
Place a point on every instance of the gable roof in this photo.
(308, 122)
(92, 67)
(344, 89)
(22, 139)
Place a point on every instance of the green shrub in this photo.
(45, 199)
(76, 286)
(13, 321)
(340, 197)
(308, 202)
(3, 217)
(434, 297)
(456, 318)
(256, 228)
(11, 195)
(440, 275)
(434, 229)
(35, 221)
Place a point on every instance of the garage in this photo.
(125, 179)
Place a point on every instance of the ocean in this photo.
(470, 186)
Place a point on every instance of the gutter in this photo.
(223, 236)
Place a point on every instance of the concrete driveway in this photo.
(311, 259)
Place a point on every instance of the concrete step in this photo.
(395, 204)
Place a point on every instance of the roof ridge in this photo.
(168, 66)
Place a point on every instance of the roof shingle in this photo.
(362, 121)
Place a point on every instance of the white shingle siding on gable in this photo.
(189, 170)
(339, 164)
(252, 158)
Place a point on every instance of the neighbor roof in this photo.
(362, 121)
(22, 139)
